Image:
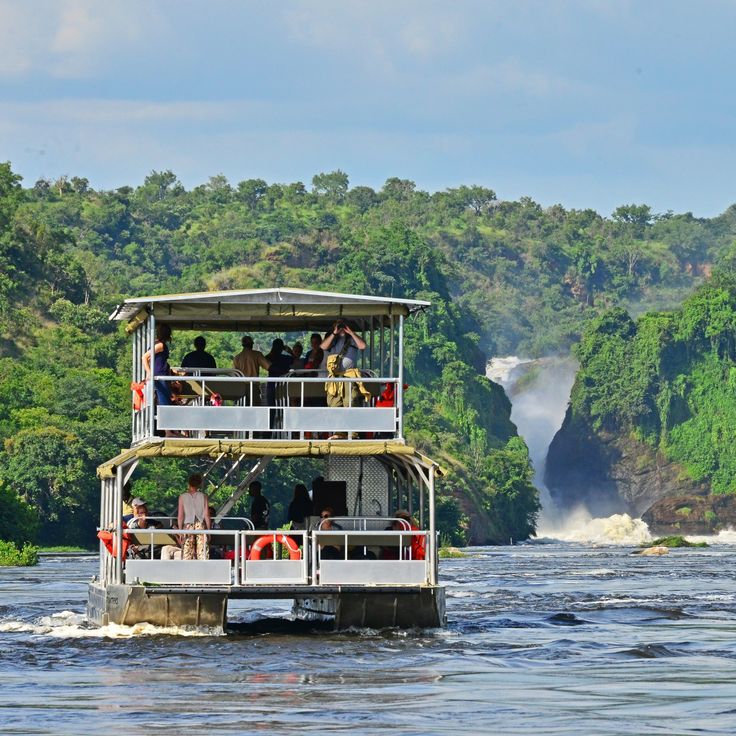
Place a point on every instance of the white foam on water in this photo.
(595, 573)
(619, 529)
(70, 625)
(725, 536)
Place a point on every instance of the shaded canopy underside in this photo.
(262, 309)
(395, 452)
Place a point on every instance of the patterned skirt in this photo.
(196, 546)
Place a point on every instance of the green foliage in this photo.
(502, 277)
(13, 556)
(670, 379)
(675, 541)
(19, 520)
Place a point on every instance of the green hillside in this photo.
(503, 277)
(659, 391)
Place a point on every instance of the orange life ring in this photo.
(264, 541)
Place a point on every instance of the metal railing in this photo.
(364, 523)
(299, 565)
(295, 406)
(275, 564)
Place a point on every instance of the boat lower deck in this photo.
(405, 606)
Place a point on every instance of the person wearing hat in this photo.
(417, 541)
(140, 512)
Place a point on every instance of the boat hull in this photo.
(420, 607)
(131, 604)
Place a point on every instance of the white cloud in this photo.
(511, 76)
(378, 33)
(71, 38)
(103, 112)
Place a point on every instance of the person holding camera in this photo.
(344, 342)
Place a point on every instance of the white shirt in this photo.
(194, 506)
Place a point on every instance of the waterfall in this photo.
(539, 391)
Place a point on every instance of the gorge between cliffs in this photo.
(595, 485)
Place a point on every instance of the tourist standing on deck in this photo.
(300, 507)
(280, 359)
(259, 506)
(194, 513)
(161, 365)
(344, 342)
(249, 362)
(199, 357)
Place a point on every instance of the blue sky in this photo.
(589, 103)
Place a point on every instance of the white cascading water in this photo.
(539, 391)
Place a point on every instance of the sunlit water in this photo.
(552, 638)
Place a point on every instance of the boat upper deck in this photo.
(357, 397)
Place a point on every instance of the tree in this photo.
(476, 198)
(334, 185)
(362, 198)
(251, 192)
(19, 520)
(10, 194)
(399, 189)
(159, 185)
(637, 216)
(46, 467)
(80, 185)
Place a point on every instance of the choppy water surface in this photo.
(543, 639)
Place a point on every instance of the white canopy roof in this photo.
(254, 309)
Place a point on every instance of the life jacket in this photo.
(417, 544)
(337, 389)
(139, 398)
(388, 395)
(108, 539)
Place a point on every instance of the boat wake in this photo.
(70, 625)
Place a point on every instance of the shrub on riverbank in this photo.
(12, 556)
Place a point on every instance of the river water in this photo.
(557, 638)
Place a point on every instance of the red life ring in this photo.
(268, 539)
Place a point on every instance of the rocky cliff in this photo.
(649, 429)
(610, 472)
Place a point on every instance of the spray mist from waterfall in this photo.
(539, 391)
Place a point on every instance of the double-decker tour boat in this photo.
(370, 564)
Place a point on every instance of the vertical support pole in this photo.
(151, 392)
(118, 517)
(432, 541)
(362, 333)
(391, 349)
(400, 386)
(371, 360)
(134, 377)
(236, 559)
(382, 349)
(422, 498)
(103, 523)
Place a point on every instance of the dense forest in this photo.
(504, 277)
(659, 391)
